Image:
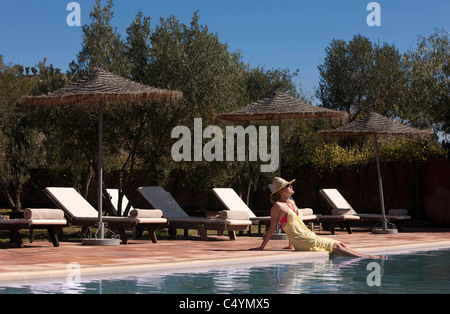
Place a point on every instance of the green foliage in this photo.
(428, 70)
(48, 79)
(191, 59)
(13, 84)
(359, 77)
(71, 142)
(19, 147)
(102, 46)
(331, 156)
(261, 83)
(20, 154)
(137, 49)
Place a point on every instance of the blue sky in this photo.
(274, 34)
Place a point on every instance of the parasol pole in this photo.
(100, 240)
(279, 146)
(384, 227)
(100, 169)
(278, 235)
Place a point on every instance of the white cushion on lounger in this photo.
(43, 213)
(343, 212)
(398, 211)
(48, 222)
(307, 211)
(234, 215)
(146, 213)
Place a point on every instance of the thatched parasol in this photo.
(101, 86)
(377, 125)
(98, 88)
(277, 107)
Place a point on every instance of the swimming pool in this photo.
(416, 272)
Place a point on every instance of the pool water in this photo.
(416, 272)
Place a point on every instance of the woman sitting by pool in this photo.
(300, 237)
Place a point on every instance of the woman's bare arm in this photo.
(274, 214)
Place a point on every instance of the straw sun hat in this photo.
(279, 183)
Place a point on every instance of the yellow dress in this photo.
(302, 238)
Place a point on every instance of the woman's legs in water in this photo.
(342, 249)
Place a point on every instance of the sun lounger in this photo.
(132, 212)
(340, 206)
(81, 213)
(179, 219)
(332, 220)
(231, 200)
(36, 218)
(114, 198)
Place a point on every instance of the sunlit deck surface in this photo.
(41, 260)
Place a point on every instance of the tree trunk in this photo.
(17, 202)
